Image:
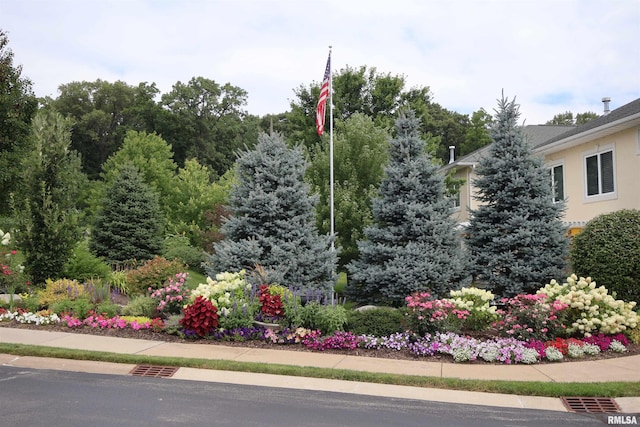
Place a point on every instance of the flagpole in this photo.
(331, 219)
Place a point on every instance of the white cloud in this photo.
(552, 55)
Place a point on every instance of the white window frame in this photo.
(598, 151)
(551, 167)
(456, 200)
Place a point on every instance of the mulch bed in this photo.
(632, 349)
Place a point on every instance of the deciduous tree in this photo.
(103, 112)
(360, 153)
(17, 107)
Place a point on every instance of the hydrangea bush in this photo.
(590, 307)
(227, 291)
(478, 303)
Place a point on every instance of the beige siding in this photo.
(461, 214)
(626, 155)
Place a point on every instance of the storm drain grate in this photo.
(590, 404)
(153, 371)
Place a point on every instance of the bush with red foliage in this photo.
(270, 304)
(200, 317)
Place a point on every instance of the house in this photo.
(594, 167)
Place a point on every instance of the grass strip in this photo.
(522, 388)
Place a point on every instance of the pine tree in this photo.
(46, 206)
(129, 225)
(413, 244)
(515, 238)
(272, 222)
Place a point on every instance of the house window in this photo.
(557, 182)
(599, 169)
(455, 197)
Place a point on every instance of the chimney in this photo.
(606, 102)
(452, 153)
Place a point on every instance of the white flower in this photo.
(5, 238)
(553, 354)
(529, 356)
(590, 349)
(575, 351)
(617, 346)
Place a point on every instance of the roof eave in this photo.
(591, 134)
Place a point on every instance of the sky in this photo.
(551, 55)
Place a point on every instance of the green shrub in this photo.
(608, 251)
(327, 318)
(108, 309)
(29, 302)
(178, 247)
(62, 306)
(77, 307)
(238, 317)
(83, 265)
(379, 321)
(81, 308)
(152, 274)
(172, 324)
(309, 315)
(140, 305)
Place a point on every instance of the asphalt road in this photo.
(32, 398)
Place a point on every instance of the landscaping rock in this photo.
(366, 308)
(6, 298)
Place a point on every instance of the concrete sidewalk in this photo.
(626, 369)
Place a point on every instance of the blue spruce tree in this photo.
(515, 238)
(413, 244)
(272, 221)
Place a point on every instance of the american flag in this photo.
(322, 101)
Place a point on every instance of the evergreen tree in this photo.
(46, 206)
(272, 222)
(515, 237)
(17, 107)
(413, 244)
(130, 225)
(152, 157)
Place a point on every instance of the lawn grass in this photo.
(522, 388)
(195, 278)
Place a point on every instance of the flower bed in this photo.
(467, 327)
(439, 346)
